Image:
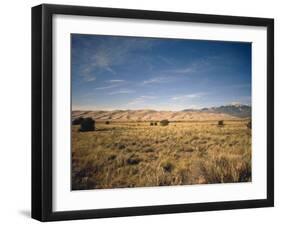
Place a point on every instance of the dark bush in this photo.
(77, 121)
(167, 166)
(133, 160)
(249, 125)
(151, 123)
(121, 146)
(107, 122)
(164, 122)
(220, 123)
(111, 157)
(155, 123)
(87, 124)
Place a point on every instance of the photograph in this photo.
(150, 112)
(141, 112)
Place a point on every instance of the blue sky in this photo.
(115, 72)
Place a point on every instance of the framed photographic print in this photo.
(145, 112)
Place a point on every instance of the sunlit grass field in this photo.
(136, 154)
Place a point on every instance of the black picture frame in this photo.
(42, 111)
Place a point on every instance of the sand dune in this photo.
(151, 115)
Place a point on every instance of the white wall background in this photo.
(15, 113)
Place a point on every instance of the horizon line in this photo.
(149, 109)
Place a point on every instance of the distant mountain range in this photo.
(236, 110)
(228, 112)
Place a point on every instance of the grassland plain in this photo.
(136, 154)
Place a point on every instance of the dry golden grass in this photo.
(135, 154)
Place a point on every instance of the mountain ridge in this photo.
(226, 112)
(236, 110)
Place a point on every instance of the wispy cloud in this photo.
(185, 70)
(141, 99)
(113, 83)
(90, 78)
(103, 61)
(116, 81)
(98, 63)
(166, 60)
(193, 67)
(122, 91)
(157, 80)
(103, 55)
(148, 97)
(136, 101)
(107, 87)
(170, 76)
(187, 96)
(87, 74)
